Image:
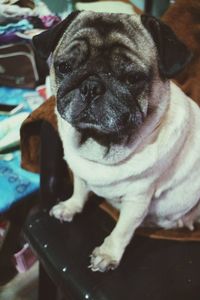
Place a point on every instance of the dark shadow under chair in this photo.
(150, 269)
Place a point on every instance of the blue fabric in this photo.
(10, 95)
(15, 182)
(14, 96)
(22, 25)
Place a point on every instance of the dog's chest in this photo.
(110, 182)
(104, 181)
(116, 183)
(114, 180)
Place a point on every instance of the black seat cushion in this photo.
(150, 269)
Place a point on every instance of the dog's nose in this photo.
(125, 118)
(91, 89)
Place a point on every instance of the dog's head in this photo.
(104, 68)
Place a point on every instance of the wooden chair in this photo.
(150, 268)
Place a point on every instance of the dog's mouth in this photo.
(107, 124)
(104, 136)
(105, 129)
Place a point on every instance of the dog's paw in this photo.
(101, 261)
(108, 255)
(63, 211)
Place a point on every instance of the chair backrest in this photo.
(55, 183)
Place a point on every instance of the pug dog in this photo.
(129, 134)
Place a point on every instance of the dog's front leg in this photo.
(65, 211)
(109, 254)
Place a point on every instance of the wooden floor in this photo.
(23, 287)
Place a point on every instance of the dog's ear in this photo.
(173, 54)
(45, 42)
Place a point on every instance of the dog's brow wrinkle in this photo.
(104, 27)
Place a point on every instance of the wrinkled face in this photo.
(103, 72)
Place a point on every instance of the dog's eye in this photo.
(64, 68)
(129, 79)
(134, 78)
